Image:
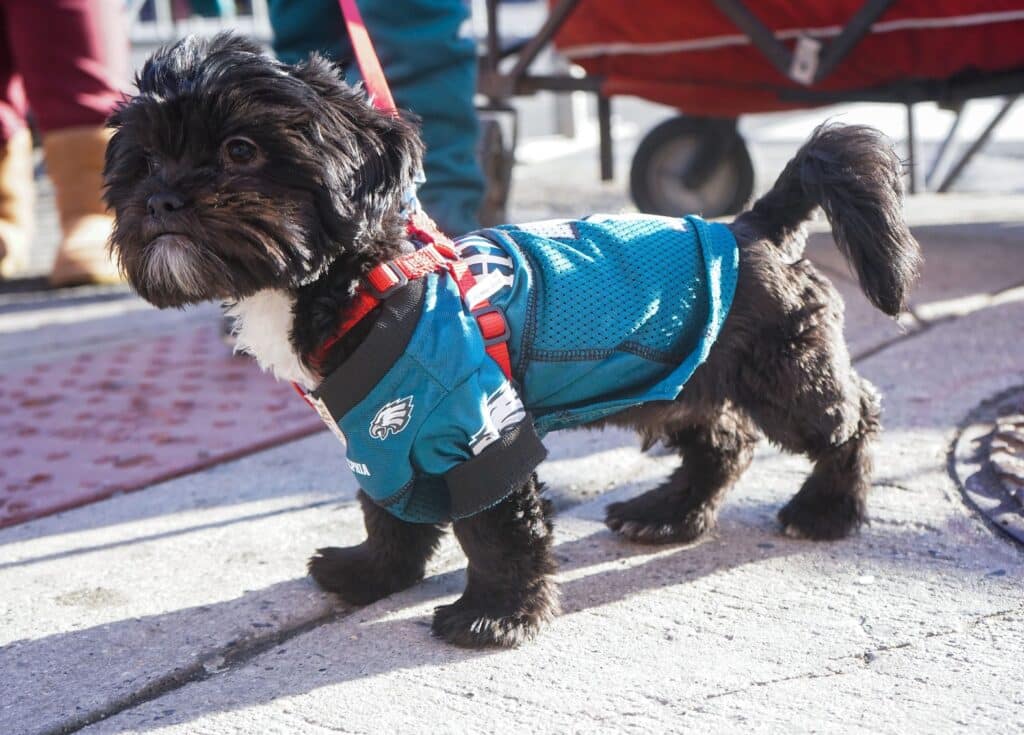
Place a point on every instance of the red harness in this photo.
(437, 254)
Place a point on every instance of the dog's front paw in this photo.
(354, 574)
(656, 518)
(473, 623)
(822, 517)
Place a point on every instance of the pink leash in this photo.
(366, 58)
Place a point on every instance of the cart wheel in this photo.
(692, 164)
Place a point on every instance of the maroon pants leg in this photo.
(13, 105)
(66, 53)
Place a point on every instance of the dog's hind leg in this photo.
(685, 506)
(831, 503)
(800, 388)
(393, 556)
(509, 591)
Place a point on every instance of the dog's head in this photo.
(230, 172)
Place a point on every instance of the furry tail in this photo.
(853, 173)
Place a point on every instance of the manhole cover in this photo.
(988, 461)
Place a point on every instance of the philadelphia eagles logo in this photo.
(391, 418)
(504, 410)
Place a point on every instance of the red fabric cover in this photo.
(737, 79)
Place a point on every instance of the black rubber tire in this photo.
(659, 164)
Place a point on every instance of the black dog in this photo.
(234, 177)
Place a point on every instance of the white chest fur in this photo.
(263, 324)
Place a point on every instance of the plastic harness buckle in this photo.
(494, 330)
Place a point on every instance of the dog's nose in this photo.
(164, 203)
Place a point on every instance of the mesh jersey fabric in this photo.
(604, 313)
(611, 310)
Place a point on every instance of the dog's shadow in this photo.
(387, 637)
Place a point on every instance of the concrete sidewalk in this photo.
(184, 607)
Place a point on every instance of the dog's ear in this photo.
(372, 158)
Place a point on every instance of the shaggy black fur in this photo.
(509, 592)
(715, 452)
(230, 172)
(393, 556)
(316, 205)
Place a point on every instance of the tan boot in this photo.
(74, 162)
(17, 191)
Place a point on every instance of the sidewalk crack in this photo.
(916, 330)
(769, 682)
(866, 657)
(235, 654)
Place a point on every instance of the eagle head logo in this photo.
(392, 418)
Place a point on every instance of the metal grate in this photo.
(986, 459)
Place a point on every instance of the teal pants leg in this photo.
(431, 68)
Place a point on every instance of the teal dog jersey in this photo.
(603, 313)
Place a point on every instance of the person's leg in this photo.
(304, 26)
(60, 48)
(431, 69)
(16, 184)
(432, 66)
(13, 105)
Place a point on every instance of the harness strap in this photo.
(489, 319)
(377, 285)
(366, 58)
(437, 254)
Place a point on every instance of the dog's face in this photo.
(230, 172)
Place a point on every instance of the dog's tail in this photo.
(853, 173)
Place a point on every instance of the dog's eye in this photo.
(240, 151)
